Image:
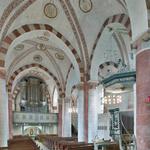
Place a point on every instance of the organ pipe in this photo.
(33, 91)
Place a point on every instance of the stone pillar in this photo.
(82, 105)
(87, 103)
(143, 91)
(81, 119)
(10, 118)
(4, 127)
(134, 106)
(93, 105)
(66, 118)
(60, 113)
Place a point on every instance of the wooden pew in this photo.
(75, 146)
(22, 143)
(54, 142)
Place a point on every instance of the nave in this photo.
(52, 142)
(74, 74)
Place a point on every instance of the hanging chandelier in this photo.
(112, 99)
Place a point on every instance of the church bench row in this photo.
(54, 142)
(22, 143)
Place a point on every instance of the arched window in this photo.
(55, 98)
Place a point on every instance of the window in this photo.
(55, 97)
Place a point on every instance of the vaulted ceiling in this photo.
(58, 34)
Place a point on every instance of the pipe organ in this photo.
(33, 95)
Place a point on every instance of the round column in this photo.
(143, 91)
(4, 127)
(80, 106)
(10, 118)
(60, 113)
(134, 106)
(93, 106)
(66, 118)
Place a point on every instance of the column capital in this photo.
(92, 84)
(142, 50)
(2, 73)
(77, 86)
(62, 95)
(142, 42)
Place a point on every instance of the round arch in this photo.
(35, 27)
(121, 19)
(23, 68)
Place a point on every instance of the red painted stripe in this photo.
(8, 40)
(48, 27)
(3, 50)
(16, 33)
(121, 18)
(127, 23)
(26, 28)
(37, 26)
(106, 22)
(114, 18)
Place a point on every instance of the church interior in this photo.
(74, 75)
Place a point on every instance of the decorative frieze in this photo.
(80, 86)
